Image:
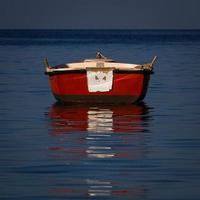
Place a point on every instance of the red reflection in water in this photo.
(133, 192)
(101, 191)
(82, 130)
(103, 118)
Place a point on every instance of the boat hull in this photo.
(71, 87)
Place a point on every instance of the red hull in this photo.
(128, 87)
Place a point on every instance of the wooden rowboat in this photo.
(99, 80)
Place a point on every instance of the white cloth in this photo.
(99, 80)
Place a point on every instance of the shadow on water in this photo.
(99, 148)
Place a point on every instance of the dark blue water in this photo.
(147, 151)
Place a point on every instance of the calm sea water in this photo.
(148, 151)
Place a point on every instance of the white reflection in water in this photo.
(99, 188)
(100, 120)
(99, 151)
(100, 125)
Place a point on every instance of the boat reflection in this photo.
(104, 118)
(94, 137)
(100, 188)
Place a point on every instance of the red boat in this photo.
(99, 80)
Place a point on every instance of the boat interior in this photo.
(98, 63)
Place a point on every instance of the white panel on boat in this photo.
(99, 79)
